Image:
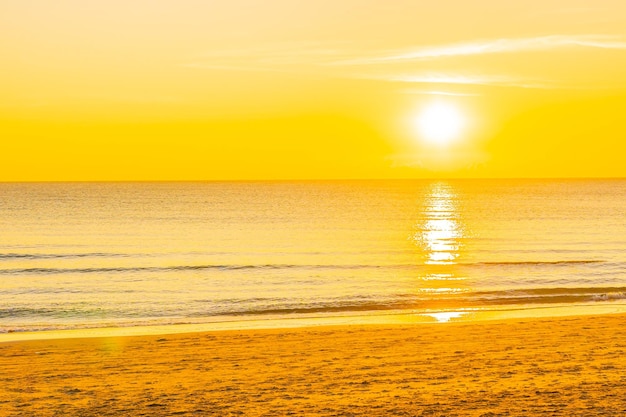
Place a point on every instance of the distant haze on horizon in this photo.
(280, 89)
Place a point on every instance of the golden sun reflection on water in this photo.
(440, 233)
(439, 236)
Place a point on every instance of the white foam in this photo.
(609, 296)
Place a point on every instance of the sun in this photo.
(440, 123)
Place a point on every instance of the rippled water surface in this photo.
(91, 254)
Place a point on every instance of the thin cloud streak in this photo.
(322, 59)
(490, 80)
(505, 45)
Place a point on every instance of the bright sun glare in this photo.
(440, 123)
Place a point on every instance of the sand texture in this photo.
(571, 366)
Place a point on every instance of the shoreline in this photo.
(392, 317)
(557, 366)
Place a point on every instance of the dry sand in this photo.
(573, 366)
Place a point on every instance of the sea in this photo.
(122, 254)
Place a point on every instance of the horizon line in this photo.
(309, 180)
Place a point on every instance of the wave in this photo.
(234, 267)
(51, 271)
(85, 315)
(268, 305)
(223, 267)
(34, 256)
(535, 263)
(549, 296)
(610, 296)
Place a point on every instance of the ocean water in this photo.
(81, 255)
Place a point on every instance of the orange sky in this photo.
(285, 89)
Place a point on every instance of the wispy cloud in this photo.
(463, 79)
(571, 11)
(493, 46)
(340, 59)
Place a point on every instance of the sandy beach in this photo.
(572, 366)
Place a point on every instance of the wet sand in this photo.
(568, 366)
